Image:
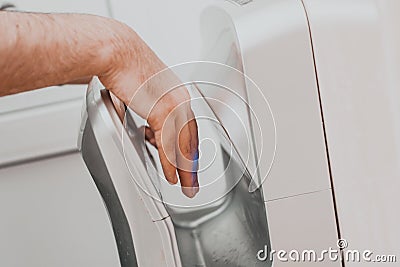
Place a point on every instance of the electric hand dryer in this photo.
(155, 227)
(258, 83)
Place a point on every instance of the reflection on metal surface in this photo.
(227, 233)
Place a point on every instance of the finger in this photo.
(187, 158)
(149, 134)
(195, 147)
(166, 153)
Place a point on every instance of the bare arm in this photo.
(38, 50)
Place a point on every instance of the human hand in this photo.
(162, 101)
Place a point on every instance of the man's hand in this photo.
(38, 50)
(145, 84)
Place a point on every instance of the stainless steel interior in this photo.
(229, 232)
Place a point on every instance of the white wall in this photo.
(170, 28)
(53, 216)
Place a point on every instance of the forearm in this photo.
(38, 50)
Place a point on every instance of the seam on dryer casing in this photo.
(296, 195)
(323, 127)
(162, 219)
(33, 159)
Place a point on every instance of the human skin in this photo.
(39, 50)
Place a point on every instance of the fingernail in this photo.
(173, 180)
(187, 191)
(190, 192)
